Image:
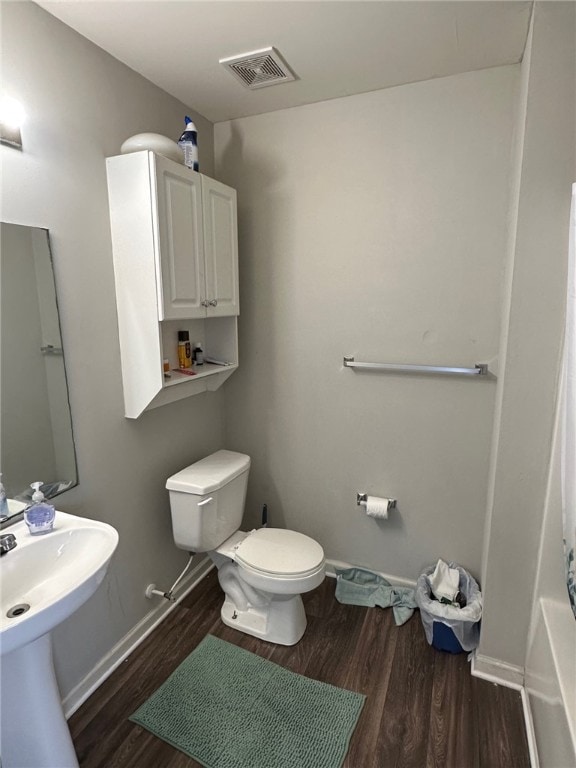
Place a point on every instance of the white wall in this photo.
(81, 104)
(532, 333)
(374, 226)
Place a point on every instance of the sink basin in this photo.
(46, 578)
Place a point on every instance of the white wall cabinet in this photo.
(198, 243)
(175, 246)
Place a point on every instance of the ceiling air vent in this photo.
(259, 68)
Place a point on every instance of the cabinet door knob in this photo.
(204, 303)
(213, 302)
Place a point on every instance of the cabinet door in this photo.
(181, 247)
(220, 248)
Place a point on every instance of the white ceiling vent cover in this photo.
(258, 69)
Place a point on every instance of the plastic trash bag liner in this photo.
(464, 622)
(356, 586)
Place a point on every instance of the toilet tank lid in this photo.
(209, 474)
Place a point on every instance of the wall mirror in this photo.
(36, 440)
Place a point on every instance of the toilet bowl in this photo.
(264, 572)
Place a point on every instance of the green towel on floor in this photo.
(355, 586)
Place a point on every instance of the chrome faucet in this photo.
(7, 542)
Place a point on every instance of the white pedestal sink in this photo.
(44, 580)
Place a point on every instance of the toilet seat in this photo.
(276, 561)
(276, 552)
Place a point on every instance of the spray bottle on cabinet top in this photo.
(188, 142)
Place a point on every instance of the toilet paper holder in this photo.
(361, 499)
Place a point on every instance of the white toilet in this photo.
(264, 572)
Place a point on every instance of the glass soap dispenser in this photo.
(39, 516)
(4, 510)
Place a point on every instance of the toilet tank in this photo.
(207, 500)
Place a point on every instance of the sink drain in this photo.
(17, 610)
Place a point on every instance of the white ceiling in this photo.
(335, 47)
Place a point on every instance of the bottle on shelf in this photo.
(184, 351)
(198, 354)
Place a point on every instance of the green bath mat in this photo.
(228, 708)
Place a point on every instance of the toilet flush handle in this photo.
(205, 501)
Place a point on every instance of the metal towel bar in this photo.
(480, 369)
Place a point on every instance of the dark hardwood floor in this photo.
(423, 707)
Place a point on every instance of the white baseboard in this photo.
(132, 640)
(496, 671)
(396, 581)
(530, 731)
(511, 676)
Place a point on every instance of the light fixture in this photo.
(11, 118)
